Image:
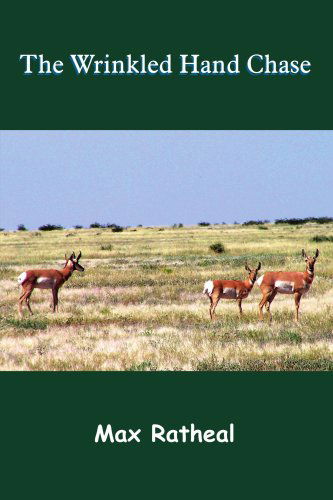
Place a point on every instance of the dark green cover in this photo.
(283, 421)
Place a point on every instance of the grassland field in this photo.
(139, 304)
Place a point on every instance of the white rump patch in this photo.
(208, 287)
(259, 280)
(284, 286)
(21, 278)
(229, 293)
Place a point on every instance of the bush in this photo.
(21, 227)
(2, 229)
(262, 227)
(319, 239)
(116, 229)
(49, 227)
(217, 248)
(295, 222)
(78, 226)
(255, 222)
(177, 226)
(106, 247)
(203, 223)
(96, 225)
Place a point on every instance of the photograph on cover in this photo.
(166, 250)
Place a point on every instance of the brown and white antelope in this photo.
(287, 282)
(230, 289)
(47, 278)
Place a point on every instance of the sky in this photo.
(163, 177)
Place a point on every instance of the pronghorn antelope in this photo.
(47, 278)
(288, 282)
(230, 289)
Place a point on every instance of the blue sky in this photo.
(163, 177)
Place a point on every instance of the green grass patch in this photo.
(24, 324)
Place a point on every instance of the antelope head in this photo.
(252, 272)
(74, 262)
(310, 261)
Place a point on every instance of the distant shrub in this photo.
(177, 226)
(321, 220)
(255, 222)
(217, 248)
(21, 227)
(236, 223)
(295, 221)
(106, 247)
(203, 223)
(2, 229)
(77, 226)
(319, 239)
(116, 229)
(50, 227)
(95, 225)
(262, 227)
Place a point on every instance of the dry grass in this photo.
(139, 305)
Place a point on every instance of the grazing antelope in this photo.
(47, 278)
(287, 282)
(230, 289)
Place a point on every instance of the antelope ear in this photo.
(72, 256)
(78, 257)
(66, 258)
(303, 254)
(317, 253)
(259, 266)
